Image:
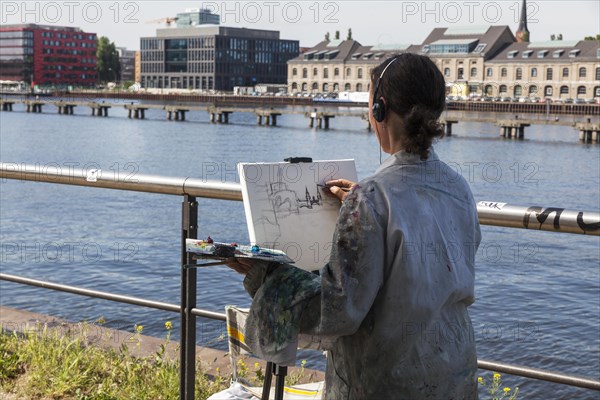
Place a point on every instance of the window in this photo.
(348, 73)
(347, 87)
(518, 91)
(527, 54)
(359, 87)
(304, 73)
(325, 73)
(479, 48)
(304, 87)
(336, 87)
(513, 53)
(490, 72)
(533, 72)
(542, 53)
(294, 72)
(488, 90)
(315, 72)
(447, 72)
(359, 75)
(460, 73)
(473, 72)
(557, 53)
(325, 87)
(548, 91)
(503, 72)
(533, 90)
(519, 74)
(502, 89)
(582, 72)
(355, 56)
(581, 90)
(598, 73)
(574, 53)
(565, 72)
(315, 86)
(597, 91)
(548, 74)
(336, 72)
(564, 90)
(294, 86)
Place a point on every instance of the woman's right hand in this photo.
(340, 187)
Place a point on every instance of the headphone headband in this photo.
(378, 109)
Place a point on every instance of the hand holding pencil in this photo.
(338, 187)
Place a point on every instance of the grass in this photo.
(44, 364)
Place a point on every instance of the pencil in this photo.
(329, 187)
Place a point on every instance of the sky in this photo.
(372, 22)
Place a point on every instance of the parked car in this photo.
(569, 101)
(505, 99)
(522, 100)
(579, 101)
(535, 100)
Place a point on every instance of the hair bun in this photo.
(423, 127)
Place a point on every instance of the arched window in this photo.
(548, 91)
(315, 72)
(565, 72)
(488, 90)
(348, 72)
(336, 72)
(519, 74)
(447, 72)
(315, 86)
(294, 87)
(518, 91)
(336, 87)
(347, 87)
(490, 72)
(304, 87)
(581, 90)
(325, 73)
(533, 90)
(304, 73)
(294, 72)
(549, 74)
(473, 72)
(359, 87)
(503, 72)
(325, 87)
(597, 91)
(564, 90)
(502, 89)
(533, 72)
(359, 73)
(582, 72)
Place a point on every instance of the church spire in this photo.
(522, 32)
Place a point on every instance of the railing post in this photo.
(187, 353)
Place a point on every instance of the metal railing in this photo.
(490, 213)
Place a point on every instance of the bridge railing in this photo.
(490, 213)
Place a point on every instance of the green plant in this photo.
(495, 390)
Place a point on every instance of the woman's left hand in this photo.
(241, 265)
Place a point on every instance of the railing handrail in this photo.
(526, 372)
(490, 213)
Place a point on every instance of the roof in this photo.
(344, 50)
(494, 37)
(584, 50)
(453, 41)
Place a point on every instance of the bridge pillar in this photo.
(274, 120)
(326, 118)
(259, 119)
(267, 120)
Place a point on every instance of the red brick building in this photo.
(48, 55)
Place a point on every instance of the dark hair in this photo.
(415, 89)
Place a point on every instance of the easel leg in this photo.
(267, 384)
(280, 374)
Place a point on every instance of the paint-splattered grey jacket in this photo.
(392, 301)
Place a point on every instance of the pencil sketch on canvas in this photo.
(287, 210)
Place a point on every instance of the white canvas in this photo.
(286, 210)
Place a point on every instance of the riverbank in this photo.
(47, 357)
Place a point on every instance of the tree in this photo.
(597, 37)
(337, 35)
(107, 60)
(349, 34)
(327, 36)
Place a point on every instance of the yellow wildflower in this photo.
(256, 365)
(496, 376)
(139, 328)
(480, 380)
(506, 389)
(168, 325)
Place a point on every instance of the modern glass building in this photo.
(211, 57)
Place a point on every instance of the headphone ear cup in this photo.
(379, 110)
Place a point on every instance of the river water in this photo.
(538, 293)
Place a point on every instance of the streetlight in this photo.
(114, 74)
